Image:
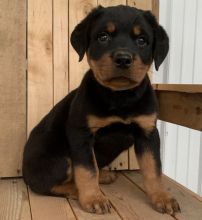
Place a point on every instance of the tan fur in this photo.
(102, 69)
(90, 196)
(86, 181)
(109, 76)
(111, 27)
(66, 189)
(152, 181)
(107, 177)
(146, 122)
(136, 30)
(161, 200)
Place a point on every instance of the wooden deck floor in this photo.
(127, 197)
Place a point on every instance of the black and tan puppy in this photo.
(113, 108)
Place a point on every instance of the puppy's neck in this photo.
(115, 101)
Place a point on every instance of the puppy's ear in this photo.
(80, 36)
(161, 41)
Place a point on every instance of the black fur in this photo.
(63, 133)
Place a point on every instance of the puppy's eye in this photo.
(103, 37)
(141, 42)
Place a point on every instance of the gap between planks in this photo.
(126, 194)
(190, 204)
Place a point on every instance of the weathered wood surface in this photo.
(190, 203)
(188, 88)
(126, 194)
(182, 108)
(12, 85)
(14, 201)
(60, 49)
(77, 11)
(50, 208)
(40, 61)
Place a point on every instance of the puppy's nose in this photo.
(122, 59)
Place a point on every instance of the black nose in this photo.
(122, 59)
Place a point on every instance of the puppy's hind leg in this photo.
(67, 188)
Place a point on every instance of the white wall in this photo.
(182, 147)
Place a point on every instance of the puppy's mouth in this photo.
(121, 82)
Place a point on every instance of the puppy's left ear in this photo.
(80, 36)
(161, 41)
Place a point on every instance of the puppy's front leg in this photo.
(147, 147)
(86, 173)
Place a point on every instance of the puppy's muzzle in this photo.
(122, 59)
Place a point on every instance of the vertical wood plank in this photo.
(78, 9)
(40, 60)
(121, 162)
(51, 208)
(141, 4)
(12, 85)
(14, 202)
(133, 163)
(108, 3)
(60, 49)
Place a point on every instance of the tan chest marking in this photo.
(146, 122)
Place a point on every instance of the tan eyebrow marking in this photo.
(136, 30)
(111, 27)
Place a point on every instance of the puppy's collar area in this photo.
(115, 101)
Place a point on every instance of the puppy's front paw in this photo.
(163, 202)
(95, 203)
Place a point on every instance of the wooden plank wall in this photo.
(12, 85)
(52, 66)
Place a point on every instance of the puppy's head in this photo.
(120, 42)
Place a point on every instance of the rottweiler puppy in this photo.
(113, 108)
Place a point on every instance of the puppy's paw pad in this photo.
(107, 177)
(164, 203)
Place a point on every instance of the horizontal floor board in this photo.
(82, 215)
(14, 201)
(191, 206)
(50, 208)
(131, 202)
(126, 194)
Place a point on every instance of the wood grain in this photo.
(133, 163)
(181, 108)
(191, 207)
(82, 215)
(50, 208)
(78, 9)
(108, 3)
(14, 202)
(141, 4)
(40, 61)
(60, 49)
(130, 201)
(12, 85)
(188, 88)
